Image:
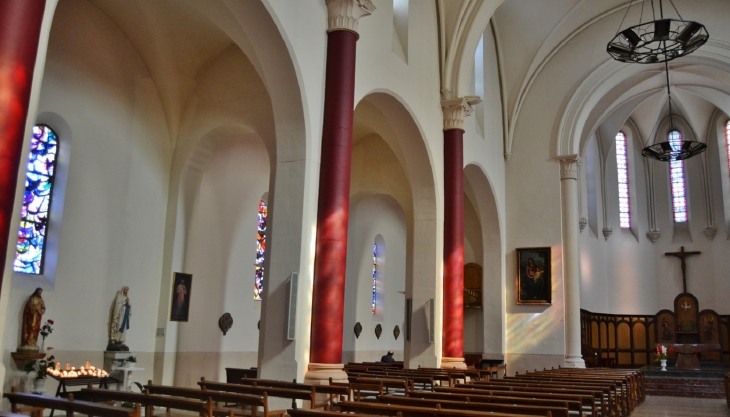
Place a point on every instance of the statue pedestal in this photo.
(112, 358)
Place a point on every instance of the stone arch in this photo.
(480, 193)
(387, 115)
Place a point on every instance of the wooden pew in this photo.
(609, 391)
(601, 394)
(233, 375)
(571, 403)
(253, 401)
(588, 399)
(727, 388)
(369, 387)
(619, 388)
(69, 405)
(7, 414)
(554, 411)
(149, 401)
(308, 412)
(332, 391)
(292, 394)
(382, 409)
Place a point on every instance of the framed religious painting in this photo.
(534, 277)
(180, 306)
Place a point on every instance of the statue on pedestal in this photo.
(32, 317)
(119, 321)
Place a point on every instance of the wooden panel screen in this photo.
(630, 338)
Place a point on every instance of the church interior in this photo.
(192, 168)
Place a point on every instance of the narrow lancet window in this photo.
(30, 249)
(727, 143)
(258, 286)
(622, 167)
(375, 273)
(676, 173)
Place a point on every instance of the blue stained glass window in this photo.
(375, 272)
(727, 143)
(676, 174)
(622, 167)
(258, 286)
(39, 177)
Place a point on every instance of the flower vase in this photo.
(664, 364)
(39, 385)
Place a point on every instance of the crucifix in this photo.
(682, 255)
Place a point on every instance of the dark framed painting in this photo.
(180, 306)
(534, 278)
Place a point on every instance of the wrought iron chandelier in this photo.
(673, 151)
(658, 40)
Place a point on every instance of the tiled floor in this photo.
(682, 407)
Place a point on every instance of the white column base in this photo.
(452, 363)
(320, 373)
(574, 361)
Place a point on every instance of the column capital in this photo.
(345, 14)
(456, 110)
(569, 166)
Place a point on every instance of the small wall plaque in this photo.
(358, 330)
(225, 323)
(396, 332)
(378, 331)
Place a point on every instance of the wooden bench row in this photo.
(69, 405)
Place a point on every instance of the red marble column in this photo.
(453, 318)
(328, 297)
(20, 27)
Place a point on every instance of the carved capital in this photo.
(345, 14)
(607, 232)
(653, 235)
(582, 223)
(710, 232)
(569, 167)
(456, 110)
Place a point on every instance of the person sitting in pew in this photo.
(387, 357)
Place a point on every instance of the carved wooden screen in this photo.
(631, 339)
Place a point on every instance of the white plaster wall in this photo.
(221, 254)
(373, 216)
(115, 194)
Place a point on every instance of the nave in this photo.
(373, 389)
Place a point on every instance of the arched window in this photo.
(375, 273)
(39, 177)
(622, 168)
(727, 143)
(676, 173)
(258, 286)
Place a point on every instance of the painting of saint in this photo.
(180, 305)
(534, 284)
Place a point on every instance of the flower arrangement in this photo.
(46, 329)
(132, 359)
(41, 366)
(662, 352)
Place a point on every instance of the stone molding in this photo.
(320, 373)
(345, 14)
(653, 235)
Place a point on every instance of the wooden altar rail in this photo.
(630, 339)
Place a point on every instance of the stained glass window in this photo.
(36, 201)
(375, 272)
(676, 173)
(727, 143)
(258, 286)
(622, 167)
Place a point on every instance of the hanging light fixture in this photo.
(676, 150)
(658, 40)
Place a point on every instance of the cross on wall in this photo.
(682, 255)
